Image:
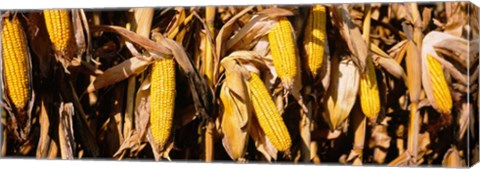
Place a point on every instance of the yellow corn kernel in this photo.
(59, 28)
(268, 115)
(282, 46)
(369, 96)
(441, 92)
(314, 38)
(15, 63)
(162, 99)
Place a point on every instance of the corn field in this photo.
(358, 84)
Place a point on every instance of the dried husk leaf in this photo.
(142, 109)
(341, 94)
(359, 123)
(247, 37)
(414, 71)
(122, 71)
(391, 66)
(455, 19)
(380, 141)
(235, 136)
(463, 120)
(276, 12)
(65, 131)
(135, 140)
(227, 30)
(236, 114)
(352, 36)
(262, 143)
(452, 158)
(79, 31)
(45, 139)
(146, 43)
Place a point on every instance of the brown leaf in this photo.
(135, 38)
(262, 143)
(414, 71)
(234, 120)
(381, 142)
(462, 120)
(79, 32)
(391, 66)
(142, 109)
(276, 12)
(452, 158)
(132, 142)
(341, 94)
(247, 37)
(45, 139)
(227, 30)
(456, 19)
(236, 112)
(65, 131)
(352, 36)
(122, 71)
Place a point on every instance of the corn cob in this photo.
(59, 27)
(315, 38)
(369, 97)
(15, 63)
(162, 99)
(268, 115)
(282, 47)
(441, 93)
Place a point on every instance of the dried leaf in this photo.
(455, 19)
(391, 66)
(262, 143)
(351, 34)
(234, 122)
(452, 158)
(247, 37)
(135, 38)
(276, 12)
(79, 32)
(65, 131)
(414, 71)
(122, 71)
(142, 109)
(462, 119)
(227, 30)
(342, 92)
(235, 119)
(44, 140)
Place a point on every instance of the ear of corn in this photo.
(442, 99)
(59, 27)
(15, 63)
(282, 46)
(268, 115)
(369, 96)
(315, 34)
(162, 99)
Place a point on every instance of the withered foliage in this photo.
(97, 104)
